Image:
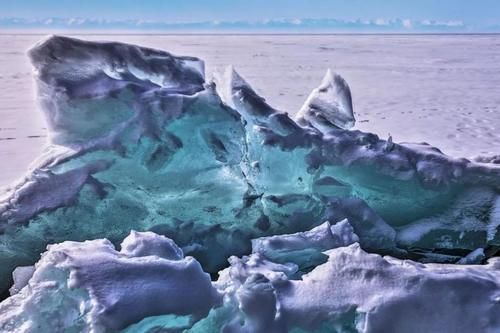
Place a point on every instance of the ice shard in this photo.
(305, 249)
(139, 141)
(329, 105)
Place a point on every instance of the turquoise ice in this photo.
(140, 140)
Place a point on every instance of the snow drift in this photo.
(149, 286)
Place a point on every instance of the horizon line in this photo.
(5, 32)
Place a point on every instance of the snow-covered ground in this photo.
(444, 90)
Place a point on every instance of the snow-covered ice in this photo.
(121, 158)
(209, 172)
(91, 287)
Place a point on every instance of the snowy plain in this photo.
(440, 89)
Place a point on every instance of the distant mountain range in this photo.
(277, 25)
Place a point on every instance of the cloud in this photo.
(294, 25)
(407, 24)
(430, 23)
(381, 21)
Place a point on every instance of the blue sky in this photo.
(474, 13)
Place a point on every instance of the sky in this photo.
(475, 14)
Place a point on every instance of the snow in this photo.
(143, 244)
(91, 287)
(104, 290)
(376, 294)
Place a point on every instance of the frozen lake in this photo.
(444, 90)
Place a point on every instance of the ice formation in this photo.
(149, 286)
(328, 105)
(90, 286)
(140, 141)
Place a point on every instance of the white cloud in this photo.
(381, 22)
(455, 23)
(407, 24)
(76, 21)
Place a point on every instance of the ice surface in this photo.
(103, 290)
(141, 142)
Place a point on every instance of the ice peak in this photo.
(228, 82)
(328, 78)
(239, 95)
(236, 80)
(329, 105)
